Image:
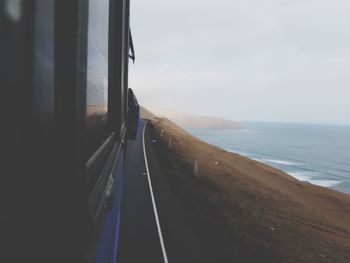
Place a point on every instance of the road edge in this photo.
(152, 197)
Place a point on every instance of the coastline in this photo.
(312, 153)
(250, 210)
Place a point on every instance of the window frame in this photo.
(100, 164)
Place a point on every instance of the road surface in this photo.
(155, 226)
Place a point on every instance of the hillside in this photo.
(248, 211)
(188, 121)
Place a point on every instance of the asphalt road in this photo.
(155, 226)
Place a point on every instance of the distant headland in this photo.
(188, 121)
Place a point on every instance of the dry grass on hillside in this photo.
(252, 212)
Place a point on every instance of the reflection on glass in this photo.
(97, 75)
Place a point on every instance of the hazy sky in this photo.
(271, 60)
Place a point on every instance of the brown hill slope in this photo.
(251, 212)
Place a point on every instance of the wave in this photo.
(264, 160)
(283, 162)
(325, 183)
(238, 152)
(302, 176)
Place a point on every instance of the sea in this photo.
(318, 154)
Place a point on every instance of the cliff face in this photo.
(188, 121)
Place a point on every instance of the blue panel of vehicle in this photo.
(107, 251)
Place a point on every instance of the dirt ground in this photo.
(249, 211)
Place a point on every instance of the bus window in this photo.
(97, 128)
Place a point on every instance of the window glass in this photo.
(97, 75)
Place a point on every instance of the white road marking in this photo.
(153, 201)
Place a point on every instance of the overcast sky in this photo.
(270, 60)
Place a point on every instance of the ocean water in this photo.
(319, 154)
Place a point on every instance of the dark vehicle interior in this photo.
(66, 81)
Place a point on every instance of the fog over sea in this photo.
(319, 154)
